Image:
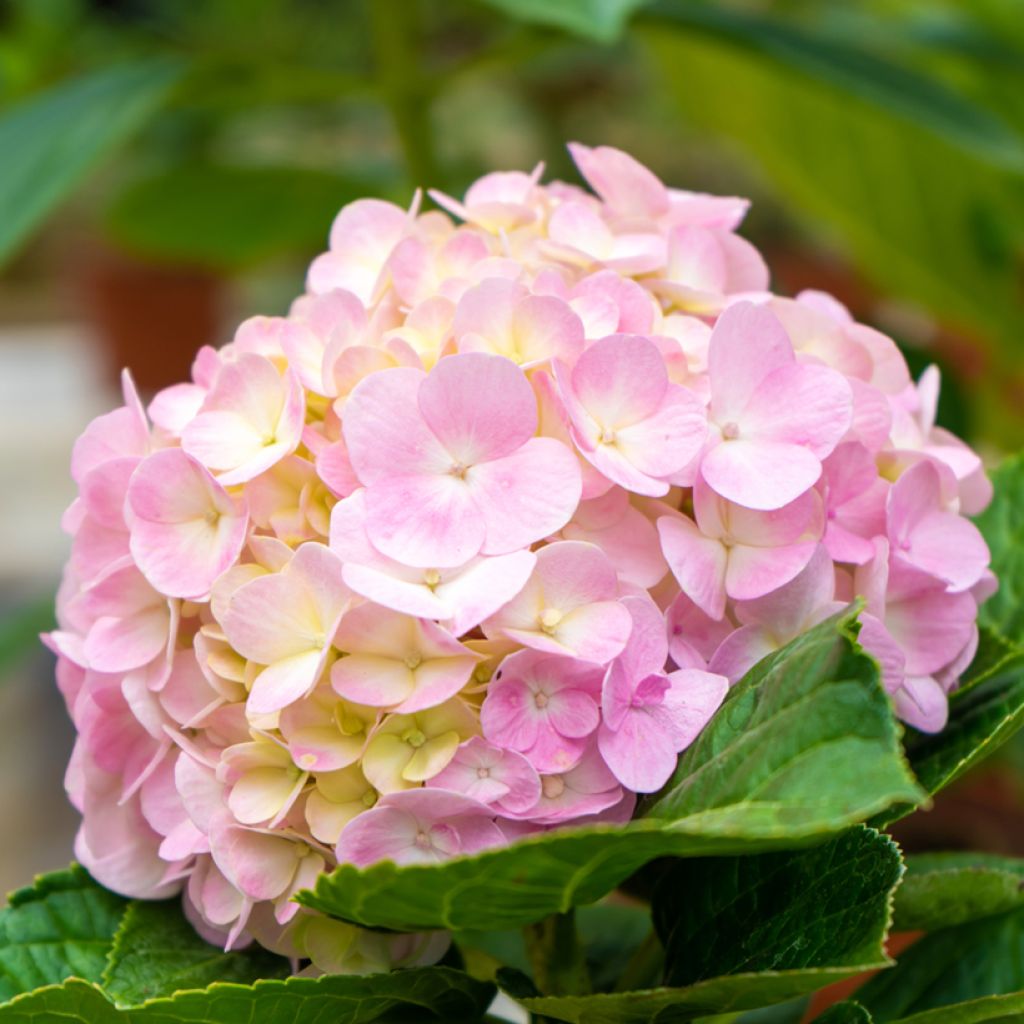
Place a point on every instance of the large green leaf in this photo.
(424, 994)
(158, 952)
(743, 932)
(61, 926)
(981, 958)
(804, 746)
(52, 141)
(230, 217)
(1002, 525)
(925, 216)
(941, 890)
(806, 737)
(600, 20)
(844, 1013)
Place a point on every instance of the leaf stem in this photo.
(392, 25)
(556, 956)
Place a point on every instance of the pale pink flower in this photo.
(588, 788)
(627, 419)
(502, 318)
(251, 419)
(774, 419)
(542, 707)
(420, 826)
(398, 662)
(733, 551)
(451, 465)
(186, 529)
(497, 202)
(462, 596)
(325, 733)
(491, 775)
(648, 716)
(286, 621)
(568, 606)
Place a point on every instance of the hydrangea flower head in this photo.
(473, 542)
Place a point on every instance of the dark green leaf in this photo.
(826, 907)
(157, 952)
(844, 1013)
(52, 141)
(981, 958)
(743, 932)
(230, 217)
(424, 994)
(600, 20)
(982, 717)
(61, 926)
(807, 737)
(1002, 525)
(941, 890)
(804, 746)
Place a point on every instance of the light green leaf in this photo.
(941, 890)
(230, 217)
(924, 216)
(743, 932)
(843, 62)
(804, 747)
(63, 925)
(423, 994)
(158, 952)
(981, 958)
(806, 737)
(52, 141)
(600, 20)
(1005, 1009)
(1002, 525)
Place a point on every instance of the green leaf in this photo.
(230, 217)
(600, 20)
(921, 214)
(805, 746)
(20, 629)
(941, 890)
(158, 952)
(982, 717)
(805, 739)
(423, 994)
(743, 932)
(1002, 525)
(52, 141)
(63, 925)
(843, 62)
(1005, 1009)
(981, 958)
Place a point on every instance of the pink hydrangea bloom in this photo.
(473, 541)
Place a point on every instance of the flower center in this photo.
(431, 577)
(414, 738)
(541, 700)
(369, 798)
(730, 431)
(483, 773)
(549, 619)
(413, 661)
(552, 786)
(607, 436)
(422, 840)
(459, 469)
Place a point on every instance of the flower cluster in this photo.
(473, 542)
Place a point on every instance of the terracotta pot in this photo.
(150, 317)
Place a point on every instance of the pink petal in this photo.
(639, 752)
(693, 698)
(697, 562)
(760, 474)
(480, 407)
(753, 572)
(628, 187)
(620, 380)
(525, 496)
(595, 632)
(478, 591)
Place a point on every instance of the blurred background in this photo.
(168, 168)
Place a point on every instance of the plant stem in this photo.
(392, 25)
(644, 965)
(556, 956)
